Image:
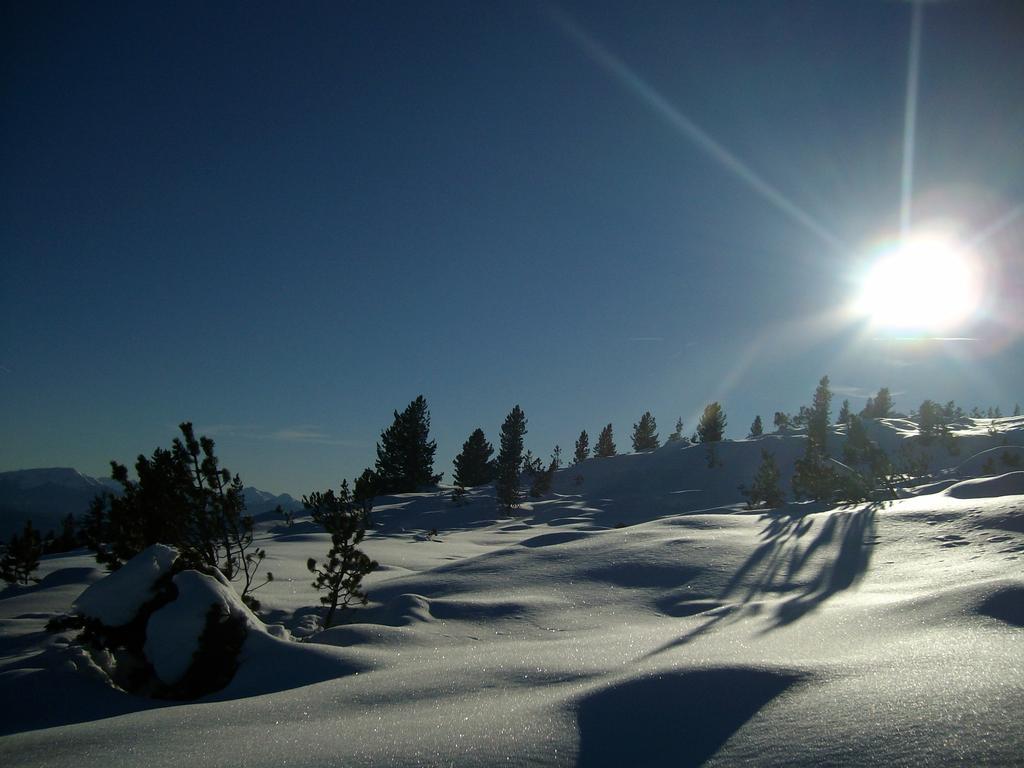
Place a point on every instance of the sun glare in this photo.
(925, 283)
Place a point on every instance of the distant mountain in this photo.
(45, 496)
(261, 503)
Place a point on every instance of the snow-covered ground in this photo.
(637, 616)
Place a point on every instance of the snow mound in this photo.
(115, 600)
(1010, 484)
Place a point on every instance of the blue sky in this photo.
(284, 221)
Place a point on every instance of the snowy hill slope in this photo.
(698, 634)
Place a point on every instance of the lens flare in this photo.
(926, 283)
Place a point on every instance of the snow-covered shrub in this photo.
(159, 629)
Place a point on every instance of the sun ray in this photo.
(686, 127)
(910, 118)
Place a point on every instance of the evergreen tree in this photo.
(510, 457)
(341, 575)
(756, 429)
(1016, 409)
(645, 436)
(21, 556)
(781, 421)
(474, 466)
(712, 423)
(878, 407)
(556, 458)
(405, 455)
(866, 459)
(814, 476)
(542, 481)
(582, 452)
(605, 447)
(677, 433)
(184, 499)
(365, 491)
(765, 487)
(844, 413)
(818, 418)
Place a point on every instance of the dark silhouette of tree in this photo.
(645, 435)
(844, 413)
(556, 458)
(542, 481)
(756, 430)
(365, 490)
(510, 457)
(677, 433)
(340, 576)
(814, 476)
(765, 487)
(1016, 409)
(474, 466)
(868, 462)
(405, 454)
(605, 447)
(183, 499)
(712, 423)
(879, 406)
(781, 421)
(582, 452)
(21, 557)
(818, 420)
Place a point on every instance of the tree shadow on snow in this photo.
(678, 718)
(795, 562)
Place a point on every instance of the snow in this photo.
(172, 633)
(1010, 484)
(115, 600)
(700, 633)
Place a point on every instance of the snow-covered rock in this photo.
(173, 631)
(115, 600)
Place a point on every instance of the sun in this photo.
(923, 283)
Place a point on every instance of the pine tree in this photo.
(756, 430)
(765, 487)
(510, 457)
(542, 481)
(556, 458)
(712, 423)
(582, 452)
(781, 421)
(818, 418)
(474, 466)
(879, 406)
(21, 556)
(864, 456)
(365, 491)
(645, 436)
(844, 413)
(184, 499)
(1016, 409)
(677, 433)
(405, 455)
(341, 575)
(605, 447)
